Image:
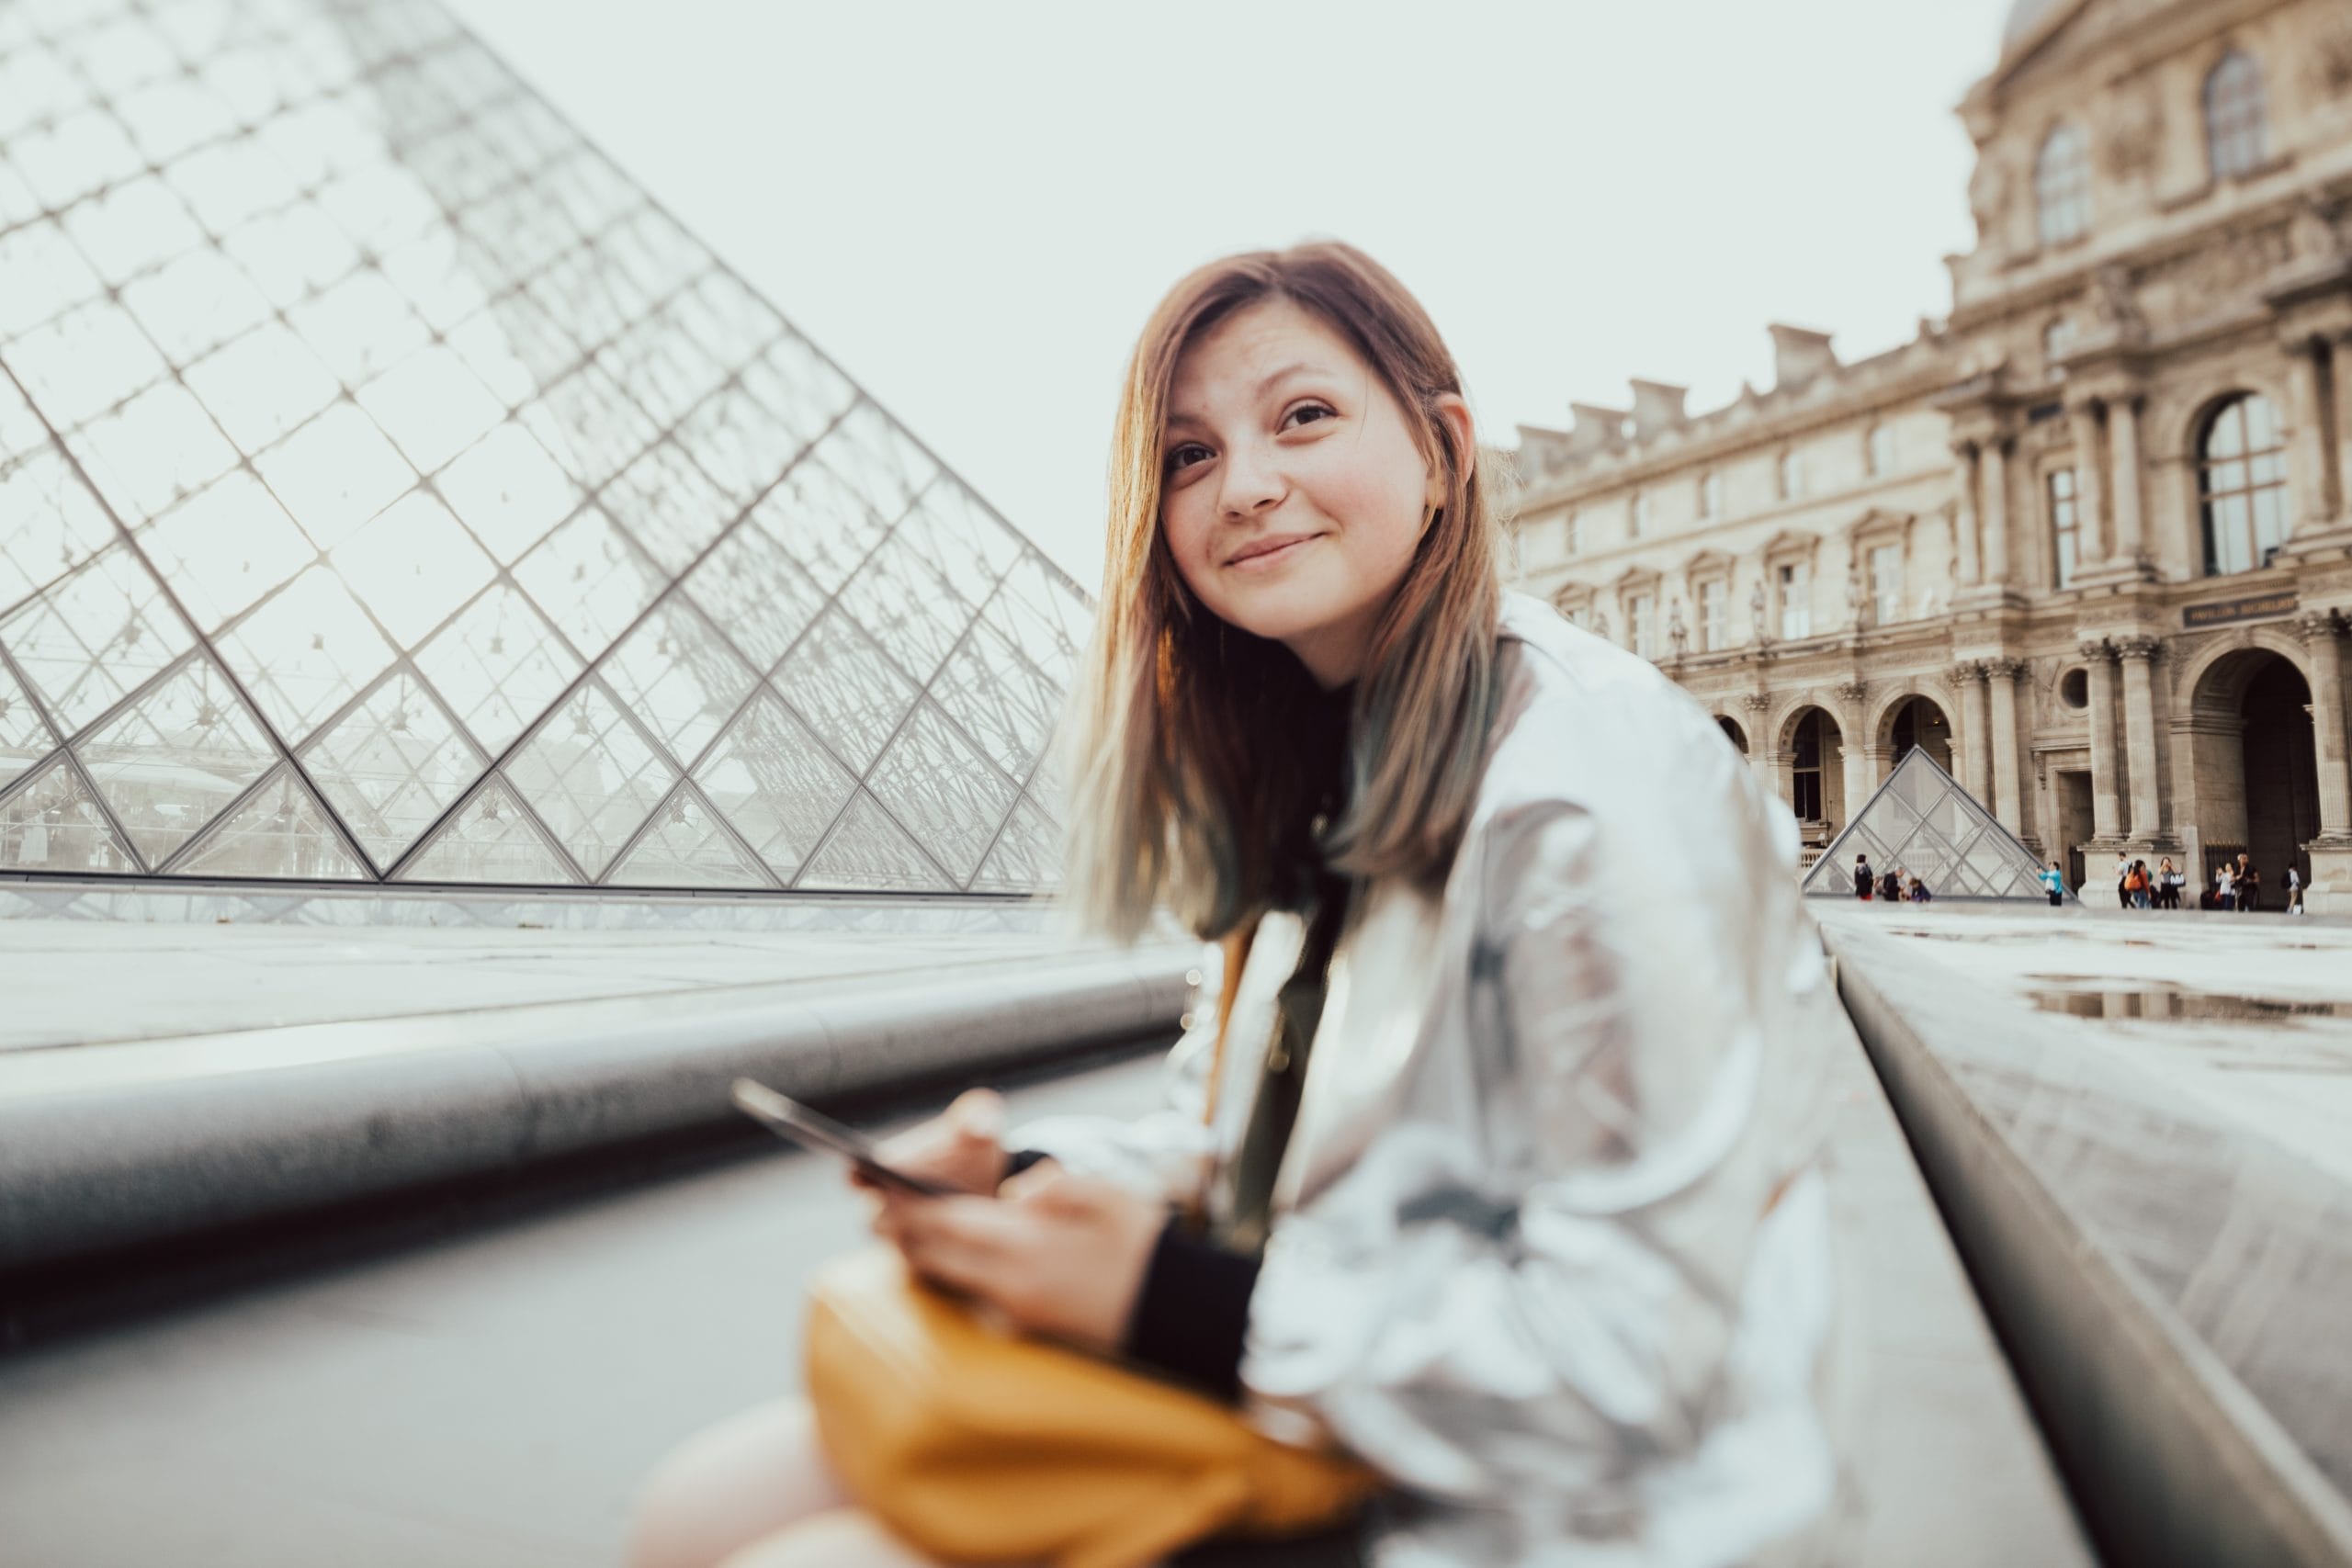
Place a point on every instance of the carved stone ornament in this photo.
(2004, 669)
(2310, 236)
(1756, 702)
(1968, 670)
(2112, 308)
(2314, 625)
(1756, 611)
(1988, 195)
(2096, 650)
(1676, 633)
(2134, 135)
(1851, 692)
(2138, 647)
(1858, 603)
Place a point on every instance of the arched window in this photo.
(2237, 126)
(2241, 485)
(2061, 186)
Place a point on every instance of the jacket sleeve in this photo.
(1162, 1152)
(1528, 1282)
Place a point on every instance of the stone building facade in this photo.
(2089, 538)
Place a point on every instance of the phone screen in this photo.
(812, 1129)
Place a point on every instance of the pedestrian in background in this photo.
(1863, 878)
(2249, 885)
(2054, 881)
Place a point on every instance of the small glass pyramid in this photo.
(1921, 821)
(390, 491)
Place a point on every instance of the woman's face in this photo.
(1293, 493)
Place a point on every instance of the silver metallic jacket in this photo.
(1551, 1249)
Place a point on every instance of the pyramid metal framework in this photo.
(1921, 821)
(390, 491)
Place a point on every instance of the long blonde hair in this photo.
(1178, 747)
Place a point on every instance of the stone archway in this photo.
(2257, 770)
(1814, 775)
(1733, 732)
(1915, 720)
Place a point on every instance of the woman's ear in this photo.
(1454, 426)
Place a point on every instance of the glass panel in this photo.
(195, 304)
(2226, 436)
(157, 448)
(293, 253)
(169, 763)
(677, 674)
(664, 367)
(412, 565)
(42, 276)
(869, 850)
(838, 681)
(755, 591)
(900, 596)
(391, 766)
(668, 506)
(738, 442)
(1026, 857)
(131, 227)
(84, 362)
(88, 640)
(776, 782)
(305, 651)
(795, 384)
(1000, 699)
(25, 737)
(49, 523)
(499, 664)
(67, 159)
(444, 277)
(53, 825)
(514, 348)
(509, 491)
(590, 579)
(826, 526)
(381, 206)
(731, 324)
(944, 792)
(432, 407)
(229, 182)
(335, 473)
(278, 832)
(263, 386)
(950, 527)
(490, 839)
(877, 459)
(591, 775)
(593, 303)
(1040, 613)
(590, 424)
(685, 847)
(225, 547)
(359, 326)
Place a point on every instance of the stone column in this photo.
(1963, 520)
(2106, 801)
(2123, 445)
(2090, 484)
(2307, 458)
(2001, 675)
(1968, 676)
(1996, 514)
(2139, 734)
(2341, 359)
(2318, 632)
(1854, 746)
(1761, 756)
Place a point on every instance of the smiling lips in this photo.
(1267, 552)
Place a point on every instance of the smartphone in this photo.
(788, 1118)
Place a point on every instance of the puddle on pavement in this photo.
(2085, 997)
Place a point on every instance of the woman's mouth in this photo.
(1267, 560)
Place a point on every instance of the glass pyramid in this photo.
(390, 491)
(1921, 821)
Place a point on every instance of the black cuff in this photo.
(1193, 1312)
(1020, 1160)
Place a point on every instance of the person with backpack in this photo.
(1863, 878)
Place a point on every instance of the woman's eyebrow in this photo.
(1181, 416)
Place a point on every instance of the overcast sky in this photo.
(973, 206)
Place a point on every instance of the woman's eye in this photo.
(1309, 407)
(1178, 458)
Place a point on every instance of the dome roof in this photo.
(2024, 16)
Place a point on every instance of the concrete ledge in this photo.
(96, 1170)
(2171, 1459)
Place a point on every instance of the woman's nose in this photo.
(1250, 482)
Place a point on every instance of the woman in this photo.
(2168, 885)
(1546, 1244)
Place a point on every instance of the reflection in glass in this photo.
(88, 640)
(679, 675)
(170, 762)
(591, 776)
(279, 832)
(776, 782)
(391, 765)
(305, 652)
(685, 847)
(943, 790)
(490, 839)
(868, 849)
(52, 824)
(499, 664)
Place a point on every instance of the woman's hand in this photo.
(963, 1146)
(1057, 1254)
